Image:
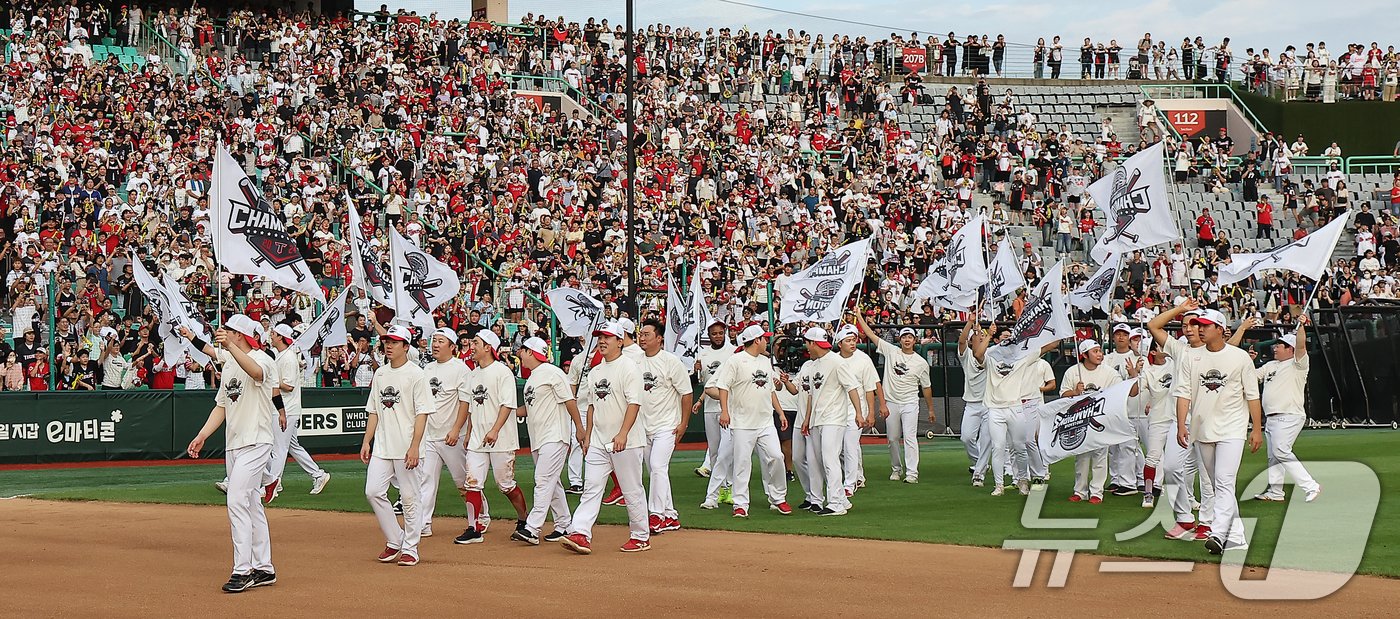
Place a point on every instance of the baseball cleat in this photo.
(1024, 486)
(1264, 496)
(1037, 484)
(524, 535)
(319, 484)
(702, 472)
(976, 483)
(1074, 498)
(271, 490)
(782, 508)
(1095, 500)
(740, 512)
(805, 505)
(1312, 495)
(791, 476)
(482, 526)
(238, 583)
(849, 493)
(1229, 545)
(816, 508)
(389, 555)
(710, 504)
(554, 536)
(1148, 501)
(831, 512)
(654, 523)
(408, 560)
(860, 483)
(577, 543)
(894, 476)
(1214, 545)
(574, 489)
(1124, 491)
(614, 497)
(398, 508)
(910, 479)
(1195, 504)
(999, 490)
(636, 545)
(1183, 532)
(726, 496)
(1111, 488)
(427, 532)
(671, 524)
(1202, 533)
(221, 486)
(261, 578)
(469, 536)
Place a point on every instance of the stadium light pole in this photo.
(629, 118)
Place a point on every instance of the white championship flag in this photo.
(1098, 290)
(1095, 420)
(421, 283)
(367, 265)
(189, 315)
(1004, 276)
(1308, 255)
(679, 318)
(1045, 319)
(961, 271)
(818, 293)
(328, 330)
(249, 236)
(576, 311)
(1133, 199)
(162, 306)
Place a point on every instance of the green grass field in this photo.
(943, 508)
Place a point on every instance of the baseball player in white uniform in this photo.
(249, 401)
(399, 405)
(549, 408)
(1125, 459)
(492, 437)
(615, 442)
(1157, 378)
(974, 390)
(907, 376)
(707, 362)
(1039, 380)
(666, 409)
(1223, 384)
(863, 369)
(289, 366)
(746, 387)
(1284, 380)
(1005, 387)
(1092, 374)
(447, 384)
(830, 397)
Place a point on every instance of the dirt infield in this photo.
(136, 560)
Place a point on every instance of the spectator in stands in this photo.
(1264, 213)
(1205, 229)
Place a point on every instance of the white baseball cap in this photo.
(628, 327)
(818, 336)
(489, 338)
(1122, 327)
(446, 333)
(285, 330)
(399, 333)
(1087, 345)
(751, 333)
(612, 328)
(1290, 340)
(1210, 316)
(243, 324)
(1137, 332)
(537, 346)
(907, 331)
(845, 331)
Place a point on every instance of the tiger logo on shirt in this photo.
(602, 389)
(529, 396)
(760, 378)
(479, 394)
(818, 380)
(389, 396)
(1213, 380)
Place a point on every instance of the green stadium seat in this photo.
(131, 51)
(99, 52)
(109, 41)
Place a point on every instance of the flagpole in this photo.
(1317, 285)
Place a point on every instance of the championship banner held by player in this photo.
(576, 310)
(1045, 319)
(954, 280)
(678, 317)
(367, 265)
(1098, 290)
(1307, 256)
(328, 330)
(914, 58)
(818, 293)
(1095, 420)
(1133, 199)
(189, 315)
(163, 306)
(1004, 276)
(685, 320)
(249, 236)
(420, 283)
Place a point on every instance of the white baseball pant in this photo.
(770, 462)
(803, 461)
(716, 438)
(852, 468)
(974, 413)
(657, 453)
(824, 453)
(1030, 426)
(549, 492)
(381, 470)
(902, 430)
(1183, 469)
(576, 452)
(247, 475)
(440, 454)
(1154, 448)
(499, 463)
(722, 466)
(1280, 431)
(599, 463)
(1222, 459)
(285, 442)
(1090, 473)
(1126, 459)
(1003, 427)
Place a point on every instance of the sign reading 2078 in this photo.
(333, 420)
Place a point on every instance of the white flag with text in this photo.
(1044, 319)
(420, 282)
(367, 265)
(818, 293)
(1075, 425)
(1098, 290)
(1307, 256)
(328, 330)
(1133, 199)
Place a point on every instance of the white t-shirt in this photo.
(1284, 383)
(614, 386)
(1137, 404)
(635, 353)
(1006, 382)
(1034, 378)
(664, 383)
(1097, 379)
(447, 383)
(862, 369)
(488, 389)
(288, 371)
(905, 374)
(546, 395)
(827, 383)
(974, 377)
(1219, 384)
(710, 359)
(249, 416)
(1158, 379)
(750, 381)
(397, 396)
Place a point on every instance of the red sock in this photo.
(473, 499)
(1149, 474)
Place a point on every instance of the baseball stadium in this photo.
(709, 309)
